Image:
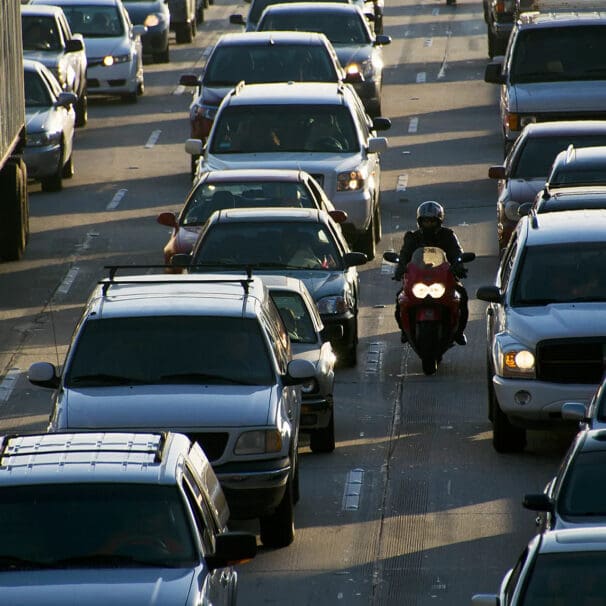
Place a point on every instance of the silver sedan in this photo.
(50, 125)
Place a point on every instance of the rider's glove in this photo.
(459, 270)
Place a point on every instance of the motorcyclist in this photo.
(430, 216)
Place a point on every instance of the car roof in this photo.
(41, 9)
(532, 20)
(91, 457)
(199, 294)
(254, 174)
(295, 93)
(79, 2)
(545, 129)
(581, 157)
(567, 226)
(573, 540)
(316, 7)
(260, 214)
(272, 37)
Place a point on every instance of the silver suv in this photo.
(546, 322)
(321, 128)
(207, 356)
(98, 518)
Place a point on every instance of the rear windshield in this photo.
(559, 54)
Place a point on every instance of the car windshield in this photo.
(156, 350)
(284, 128)
(296, 316)
(549, 582)
(538, 153)
(39, 33)
(258, 6)
(339, 27)
(36, 92)
(562, 273)
(584, 489)
(259, 64)
(209, 197)
(94, 21)
(267, 244)
(559, 54)
(100, 525)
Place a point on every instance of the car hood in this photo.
(133, 586)
(557, 321)
(312, 162)
(167, 406)
(524, 190)
(36, 120)
(543, 97)
(349, 54)
(99, 47)
(49, 59)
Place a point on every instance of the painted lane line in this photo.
(374, 358)
(115, 201)
(435, 12)
(179, 90)
(402, 182)
(153, 139)
(413, 125)
(8, 384)
(353, 490)
(428, 42)
(67, 282)
(421, 77)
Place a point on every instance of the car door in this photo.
(73, 60)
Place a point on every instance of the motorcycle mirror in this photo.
(391, 256)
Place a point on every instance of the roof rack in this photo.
(157, 450)
(113, 270)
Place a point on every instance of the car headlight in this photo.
(511, 210)
(259, 442)
(43, 139)
(518, 362)
(110, 60)
(335, 304)
(203, 111)
(153, 20)
(350, 181)
(436, 290)
(366, 68)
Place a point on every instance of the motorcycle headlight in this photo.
(435, 290)
(518, 362)
(110, 60)
(333, 305)
(350, 181)
(259, 442)
(43, 139)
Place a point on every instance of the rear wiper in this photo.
(200, 377)
(105, 379)
(8, 562)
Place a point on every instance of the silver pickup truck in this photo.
(48, 38)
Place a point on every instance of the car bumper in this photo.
(546, 399)
(253, 489)
(347, 324)
(316, 412)
(42, 161)
(114, 80)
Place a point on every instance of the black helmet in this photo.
(430, 210)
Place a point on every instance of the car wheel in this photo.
(491, 44)
(14, 214)
(200, 11)
(505, 436)
(367, 242)
(68, 168)
(378, 226)
(183, 33)
(82, 110)
(278, 529)
(323, 440)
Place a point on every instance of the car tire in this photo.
(183, 33)
(323, 440)
(378, 225)
(200, 11)
(82, 110)
(278, 529)
(14, 213)
(505, 436)
(367, 243)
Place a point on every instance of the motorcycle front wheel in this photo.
(430, 366)
(428, 346)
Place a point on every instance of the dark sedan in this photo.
(155, 15)
(359, 50)
(297, 242)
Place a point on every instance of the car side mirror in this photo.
(237, 20)
(351, 259)
(65, 99)
(497, 172)
(574, 411)
(194, 147)
(299, 371)
(376, 145)
(74, 45)
(43, 374)
(167, 219)
(382, 40)
(491, 294)
(538, 502)
(468, 257)
(338, 216)
(380, 123)
(493, 72)
(232, 548)
(189, 80)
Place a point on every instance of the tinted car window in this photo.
(584, 491)
(36, 93)
(230, 64)
(295, 316)
(94, 21)
(559, 54)
(538, 153)
(40, 33)
(280, 245)
(81, 524)
(578, 274)
(203, 349)
(284, 128)
(258, 6)
(209, 197)
(590, 175)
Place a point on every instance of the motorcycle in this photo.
(429, 303)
